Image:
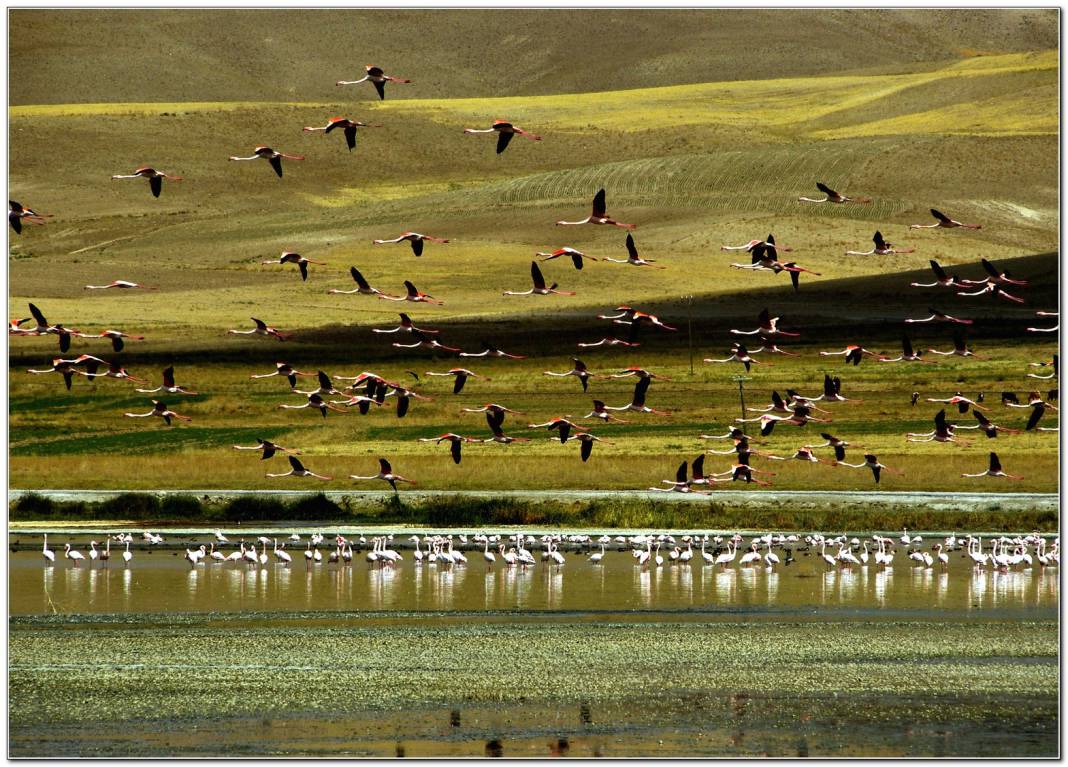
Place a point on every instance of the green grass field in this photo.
(700, 142)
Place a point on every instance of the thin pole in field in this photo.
(741, 395)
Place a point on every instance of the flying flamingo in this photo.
(763, 259)
(120, 284)
(833, 196)
(315, 400)
(681, 484)
(504, 130)
(325, 386)
(562, 426)
(996, 276)
(640, 372)
(413, 295)
(404, 398)
(462, 374)
(406, 326)
(155, 178)
(598, 215)
(632, 256)
(960, 348)
(772, 348)
(377, 77)
(539, 288)
(114, 370)
(882, 248)
(587, 441)
(168, 384)
(943, 432)
(994, 289)
(1054, 363)
(63, 367)
(494, 417)
(942, 280)
(1054, 329)
(769, 326)
(908, 354)
(838, 445)
(116, 337)
(362, 286)
(488, 350)
(1038, 409)
(159, 410)
(298, 470)
(768, 243)
(852, 353)
(937, 316)
(612, 341)
(285, 370)
(261, 329)
(870, 462)
(962, 403)
(363, 403)
(267, 447)
(17, 213)
(426, 342)
(576, 256)
(989, 428)
(944, 221)
(271, 156)
(578, 370)
(637, 403)
(739, 354)
(414, 238)
(832, 390)
(994, 470)
(455, 440)
(288, 257)
(600, 411)
(385, 474)
(629, 316)
(348, 127)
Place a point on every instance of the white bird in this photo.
(49, 555)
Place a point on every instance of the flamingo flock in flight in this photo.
(367, 389)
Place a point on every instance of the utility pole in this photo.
(741, 395)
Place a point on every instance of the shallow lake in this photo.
(614, 659)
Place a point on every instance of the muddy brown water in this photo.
(710, 661)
